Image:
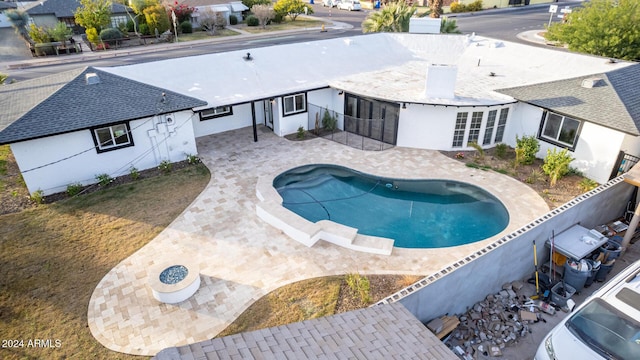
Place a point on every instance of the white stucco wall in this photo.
(167, 142)
(241, 118)
(523, 120)
(631, 145)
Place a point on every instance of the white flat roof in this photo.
(385, 66)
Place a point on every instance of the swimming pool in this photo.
(415, 213)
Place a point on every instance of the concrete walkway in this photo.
(241, 258)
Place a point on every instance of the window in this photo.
(112, 137)
(294, 104)
(461, 125)
(488, 131)
(502, 123)
(560, 130)
(118, 19)
(474, 130)
(215, 112)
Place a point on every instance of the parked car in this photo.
(330, 3)
(605, 326)
(350, 5)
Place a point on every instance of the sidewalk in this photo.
(87, 54)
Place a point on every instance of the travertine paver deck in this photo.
(241, 258)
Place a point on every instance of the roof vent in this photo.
(91, 78)
(589, 83)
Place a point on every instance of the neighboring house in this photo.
(48, 13)
(226, 8)
(69, 127)
(439, 92)
(4, 6)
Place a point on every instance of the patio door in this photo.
(268, 113)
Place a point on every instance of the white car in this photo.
(350, 5)
(330, 3)
(605, 326)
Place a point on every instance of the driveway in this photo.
(12, 46)
(242, 258)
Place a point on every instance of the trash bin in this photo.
(561, 293)
(604, 270)
(595, 267)
(576, 273)
(611, 250)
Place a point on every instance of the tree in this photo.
(3, 78)
(19, 20)
(60, 32)
(292, 8)
(250, 3)
(601, 27)
(393, 17)
(436, 8)
(157, 18)
(264, 13)
(211, 21)
(182, 11)
(449, 26)
(93, 14)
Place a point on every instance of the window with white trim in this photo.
(474, 128)
(559, 130)
(458, 132)
(215, 112)
(118, 19)
(294, 104)
(488, 130)
(502, 123)
(112, 137)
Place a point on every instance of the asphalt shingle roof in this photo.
(613, 102)
(64, 103)
(379, 332)
(7, 5)
(65, 8)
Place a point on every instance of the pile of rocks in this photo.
(497, 321)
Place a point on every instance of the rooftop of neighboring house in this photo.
(7, 5)
(65, 8)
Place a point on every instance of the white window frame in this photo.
(295, 109)
(488, 130)
(460, 129)
(475, 126)
(117, 19)
(115, 132)
(556, 138)
(215, 112)
(502, 124)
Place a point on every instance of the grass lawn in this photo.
(203, 35)
(300, 23)
(53, 256)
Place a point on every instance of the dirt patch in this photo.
(381, 286)
(566, 189)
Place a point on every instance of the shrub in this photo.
(165, 166)
(123, 28)
(536, 175)
(300, 133)
(277, 18)
(501, 150)
(37, 197)
(457, 7)
(556, 164)
(360, 286)
(530, 146)
(233, 20)
(252, 21)
(479, 149)
(110, 35)
(134, 173)
(475, 6)
(192, 159)
(74, 189)
(104, 179)
(328, 121)
(144, 29)
(587, 185)
(130, 26)
(186, 27)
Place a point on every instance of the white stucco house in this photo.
(224, 7)
(438, 92)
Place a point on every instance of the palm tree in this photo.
(436, 8)
(449, 26)
(393, 17)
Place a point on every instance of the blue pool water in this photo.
(415, 213)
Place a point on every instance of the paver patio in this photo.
(241, 258)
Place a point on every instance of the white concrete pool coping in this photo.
(242, 258)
